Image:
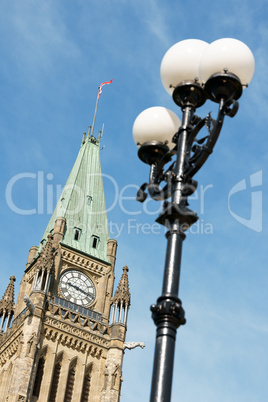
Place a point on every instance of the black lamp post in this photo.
(192, 71)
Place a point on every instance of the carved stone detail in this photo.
(73, 341)
(72, 331)
(84, 262)
(133, 345)
(10, 347)
(77, 318)
(122, 293)
(29, 303)
(29, 276)
(112, 376)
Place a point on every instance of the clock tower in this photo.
(64, 340)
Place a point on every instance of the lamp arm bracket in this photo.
(141, 194)
(204, 147)
(157, 176)
(155, 192)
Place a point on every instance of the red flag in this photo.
(101, 85)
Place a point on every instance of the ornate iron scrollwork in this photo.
(197, 152)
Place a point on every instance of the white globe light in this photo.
(228, 54)
(181, 63)
(155, 124)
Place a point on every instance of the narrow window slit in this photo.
(95, 241)
(77, 233)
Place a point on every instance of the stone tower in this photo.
(58, 343)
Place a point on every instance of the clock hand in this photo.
(80, 290)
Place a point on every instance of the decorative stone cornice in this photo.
(75, 338)
(97, 331)
(79, 260)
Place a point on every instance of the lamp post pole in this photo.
(160, 136)
(168, 313)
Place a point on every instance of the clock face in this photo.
(77, 288)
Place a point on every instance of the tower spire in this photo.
(82, 202)
(7, 305)
(122, 293)
(121, 299)
(7, 301)
(82, 205)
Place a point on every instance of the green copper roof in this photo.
(82, 204)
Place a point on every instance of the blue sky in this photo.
(54, 55)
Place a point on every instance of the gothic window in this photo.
(77, 233)
(70, 383)
(39, 377)
(55, 382)
(41, 279)
(44, 281)
(86, 386)
(38, 281)
(3, 321)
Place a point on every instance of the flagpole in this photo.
(94, 118)
(96, 107)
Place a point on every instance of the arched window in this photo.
(39, 280)
(39, 377)
(86, 385)
(70, 383)
(44, 280)
(55, 382)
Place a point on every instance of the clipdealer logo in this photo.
(47, 193)
(253, 188)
